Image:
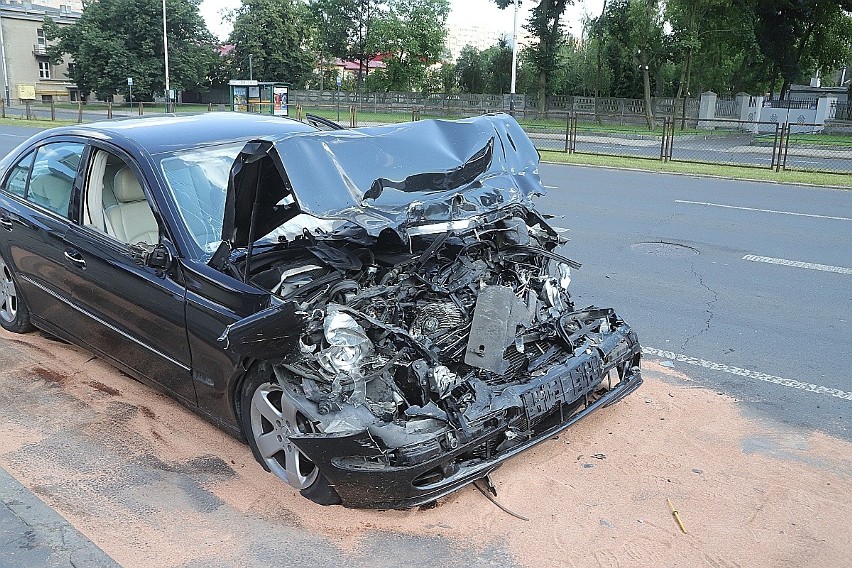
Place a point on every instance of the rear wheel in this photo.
(269, 417)
(14, 314)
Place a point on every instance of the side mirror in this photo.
(154, 256)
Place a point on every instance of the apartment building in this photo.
(25, 69)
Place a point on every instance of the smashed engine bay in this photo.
(449, 352)
(428, 333)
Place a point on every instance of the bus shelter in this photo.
(259, 97)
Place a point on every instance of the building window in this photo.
(70, 72)
(40, 39)
(43, 69)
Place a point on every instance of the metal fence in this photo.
(768, 145)
(672, 137)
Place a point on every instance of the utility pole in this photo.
(166, 55)
(514, 59)
(5, 70)
(251, 73)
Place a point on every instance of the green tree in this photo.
(447, 74)
(545, 24)
(470, 71)
(275, 34)
(412, 33)
(798, 36)
(351, 32)
(117, 39)
(497, 60)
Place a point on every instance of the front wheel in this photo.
(14, 314)
(269, 417)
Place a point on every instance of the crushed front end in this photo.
(421, 328)
(423, 366)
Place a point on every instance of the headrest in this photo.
(126, 187)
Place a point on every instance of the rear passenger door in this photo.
(35, 215)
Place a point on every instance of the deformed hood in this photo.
(395, 176)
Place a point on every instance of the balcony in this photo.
(40, 49)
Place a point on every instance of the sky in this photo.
(464, 12)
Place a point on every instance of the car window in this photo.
(53, 173)
(115, 201)
(198, 182)
(16, 184)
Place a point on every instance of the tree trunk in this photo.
(785, 86)
(600, 66)
(542, 72)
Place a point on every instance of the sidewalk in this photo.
(32, 535)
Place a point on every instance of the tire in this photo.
(14, 313)
(268, 416)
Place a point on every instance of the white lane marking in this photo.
(747, 373)
(561, 229)
(798, 264)
(764, 210)
(550, 187)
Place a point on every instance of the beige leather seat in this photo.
(130, 220)
(52, 192)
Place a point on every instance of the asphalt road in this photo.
(773, 333)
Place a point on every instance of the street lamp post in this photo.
(166, 55)
(339, 81)
(514, 59)
(5, 70)
(251, 72)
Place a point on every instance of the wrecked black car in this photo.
(380, 312)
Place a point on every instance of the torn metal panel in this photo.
(269, 334)
(496, 319)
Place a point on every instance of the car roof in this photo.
(169, 133)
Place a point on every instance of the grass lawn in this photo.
(822, 139)
(733, 172)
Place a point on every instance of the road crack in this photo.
(709, 310)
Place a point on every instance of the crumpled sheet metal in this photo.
(332, 172)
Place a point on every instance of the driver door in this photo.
(136, 313)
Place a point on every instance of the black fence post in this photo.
(52, 110)
(670, 139)
(574, 133)
(109, 109)
(27, 109)
(568, 133)
(783, 164)
(776, 147)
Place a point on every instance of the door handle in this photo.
(74, 258)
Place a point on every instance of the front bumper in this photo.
(358, 469)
